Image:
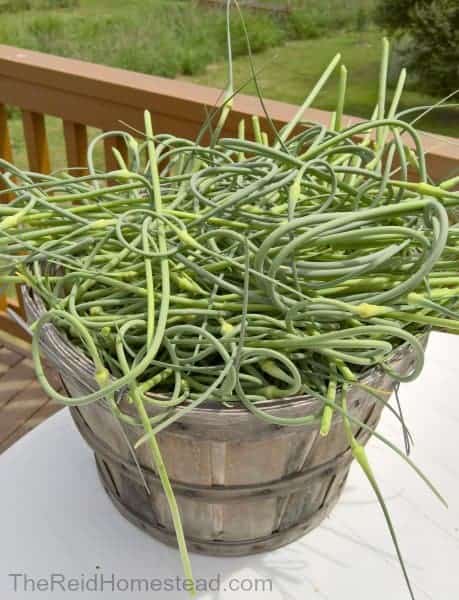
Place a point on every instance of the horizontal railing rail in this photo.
(84, 95)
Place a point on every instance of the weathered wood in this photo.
(21, 408)
(76, 144)
(9, 326)
(6, 152)
(15, 380)
(23, 403)
(20, 304)
(8, 358)
(5, 143)
(242, 485)
(15, 344)
(21, 428)
(38, 156)
(36, 141)
(116, 142)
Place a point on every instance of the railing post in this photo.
(6, 154)
(114, 142)
(36, 141)
(5, 146)
(76, 145)
(38, 154)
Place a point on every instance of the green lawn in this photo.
(289, 72)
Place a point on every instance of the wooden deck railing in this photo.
(82, 94)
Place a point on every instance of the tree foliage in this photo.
(430, 33)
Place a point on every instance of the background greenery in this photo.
(427, 33)
(164, 37)
(183, 38)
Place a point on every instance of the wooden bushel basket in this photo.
(242, 485)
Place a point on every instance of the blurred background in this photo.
(292, 41)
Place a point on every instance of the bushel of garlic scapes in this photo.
(238, 271)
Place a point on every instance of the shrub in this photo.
(304, 25)
(46, 26)
(394, 14)
(63, 3)
(45, 31)
(51, 4)
(13, 6)
(263, 32)
(428, 40)
(315, 20)
(362, 19)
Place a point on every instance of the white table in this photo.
(55, 517)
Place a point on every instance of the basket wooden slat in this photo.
(243, 485)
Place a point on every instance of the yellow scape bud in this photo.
(10, 221)
(367, 311)
(226, 328)
(102, 223)
(414, 298)
(429, 190)
(121, 174)
(102, 377)
(185, 283)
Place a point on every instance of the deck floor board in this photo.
(23, 403)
